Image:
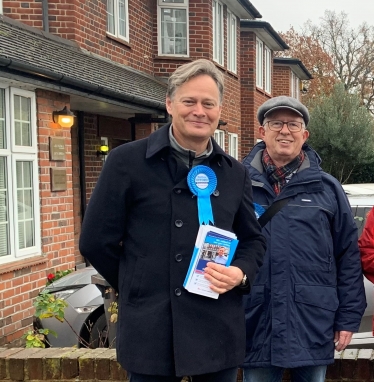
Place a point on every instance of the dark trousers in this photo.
(227, 375)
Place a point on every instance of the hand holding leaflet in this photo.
(212, 244)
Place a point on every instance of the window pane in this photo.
(4, 216)
(231, 42)
(2, 119)
(25, 207)
(173, 1)
(217, 32)
(122, 18)
(22, 120)
(173, 31)
(110, 16)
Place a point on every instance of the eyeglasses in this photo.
(292, 126)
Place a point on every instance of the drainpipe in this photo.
(45, 15)
(82, 167)
(82, 163)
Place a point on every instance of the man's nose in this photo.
(199, 109)
(285, 129)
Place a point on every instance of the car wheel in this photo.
(98, 337)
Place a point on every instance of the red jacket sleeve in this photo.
(366, 244)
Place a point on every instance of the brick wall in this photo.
(281, 81)
(21, 280)
(85, 22)
(69, 364)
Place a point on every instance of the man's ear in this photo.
(306, 135)
(168, 105)
(261, 131)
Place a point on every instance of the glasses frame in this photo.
(302, 125)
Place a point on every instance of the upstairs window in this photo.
(268, 65)
(19, 183)
(173, 27)
(218, 32)
(118, 18)
(295, 86)
(219, 137)
(231, 42)
(259, 63)
(233, 145)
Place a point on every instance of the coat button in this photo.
(177, 190)
(216, 193)
(178, 223)
(178, 292)
(178, 257)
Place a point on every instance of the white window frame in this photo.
(13, 153)
(117, 33)
(1, 7)
(218, 38)
(162, 5)
(233, 145)
(259, 63)
(268, 67)
(219, 137)
(231, 42)
(295, 86)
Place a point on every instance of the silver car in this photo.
(85, 322)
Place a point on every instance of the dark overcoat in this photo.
(310, 284)
(139, 232)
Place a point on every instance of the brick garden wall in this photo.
(69, 364)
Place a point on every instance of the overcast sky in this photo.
(281, 14)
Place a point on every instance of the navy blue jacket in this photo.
(311, 282)
(139, 232)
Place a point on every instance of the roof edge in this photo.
(44, 74)
(250, 8)
(257, 24)
(289, 61)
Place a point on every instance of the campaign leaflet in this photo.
(212, 244)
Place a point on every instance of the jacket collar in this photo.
(307, 181)
(159, 141)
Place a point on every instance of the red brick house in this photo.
(107, 61)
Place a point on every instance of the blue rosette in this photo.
(202, 181)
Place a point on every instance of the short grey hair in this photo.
(193, 69)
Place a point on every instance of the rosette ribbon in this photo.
(202, 181)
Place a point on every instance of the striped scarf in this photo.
(279, 176)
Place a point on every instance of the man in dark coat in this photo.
(140, 229)
(308, 297)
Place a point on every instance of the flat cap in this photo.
(282, 102)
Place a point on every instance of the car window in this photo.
(360, 214)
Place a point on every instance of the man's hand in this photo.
(342, 340)
(222, 279)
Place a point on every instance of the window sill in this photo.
(173, 58)
(118, 39)
(233, 74)
(20, 264)
(219, 66)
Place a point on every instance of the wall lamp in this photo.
(103, 150)
(64, 117)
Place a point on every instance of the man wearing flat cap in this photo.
(308, 297)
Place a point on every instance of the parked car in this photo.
(361, 199)
(84, 314)
(85, 310)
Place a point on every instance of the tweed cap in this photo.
(282, 102)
